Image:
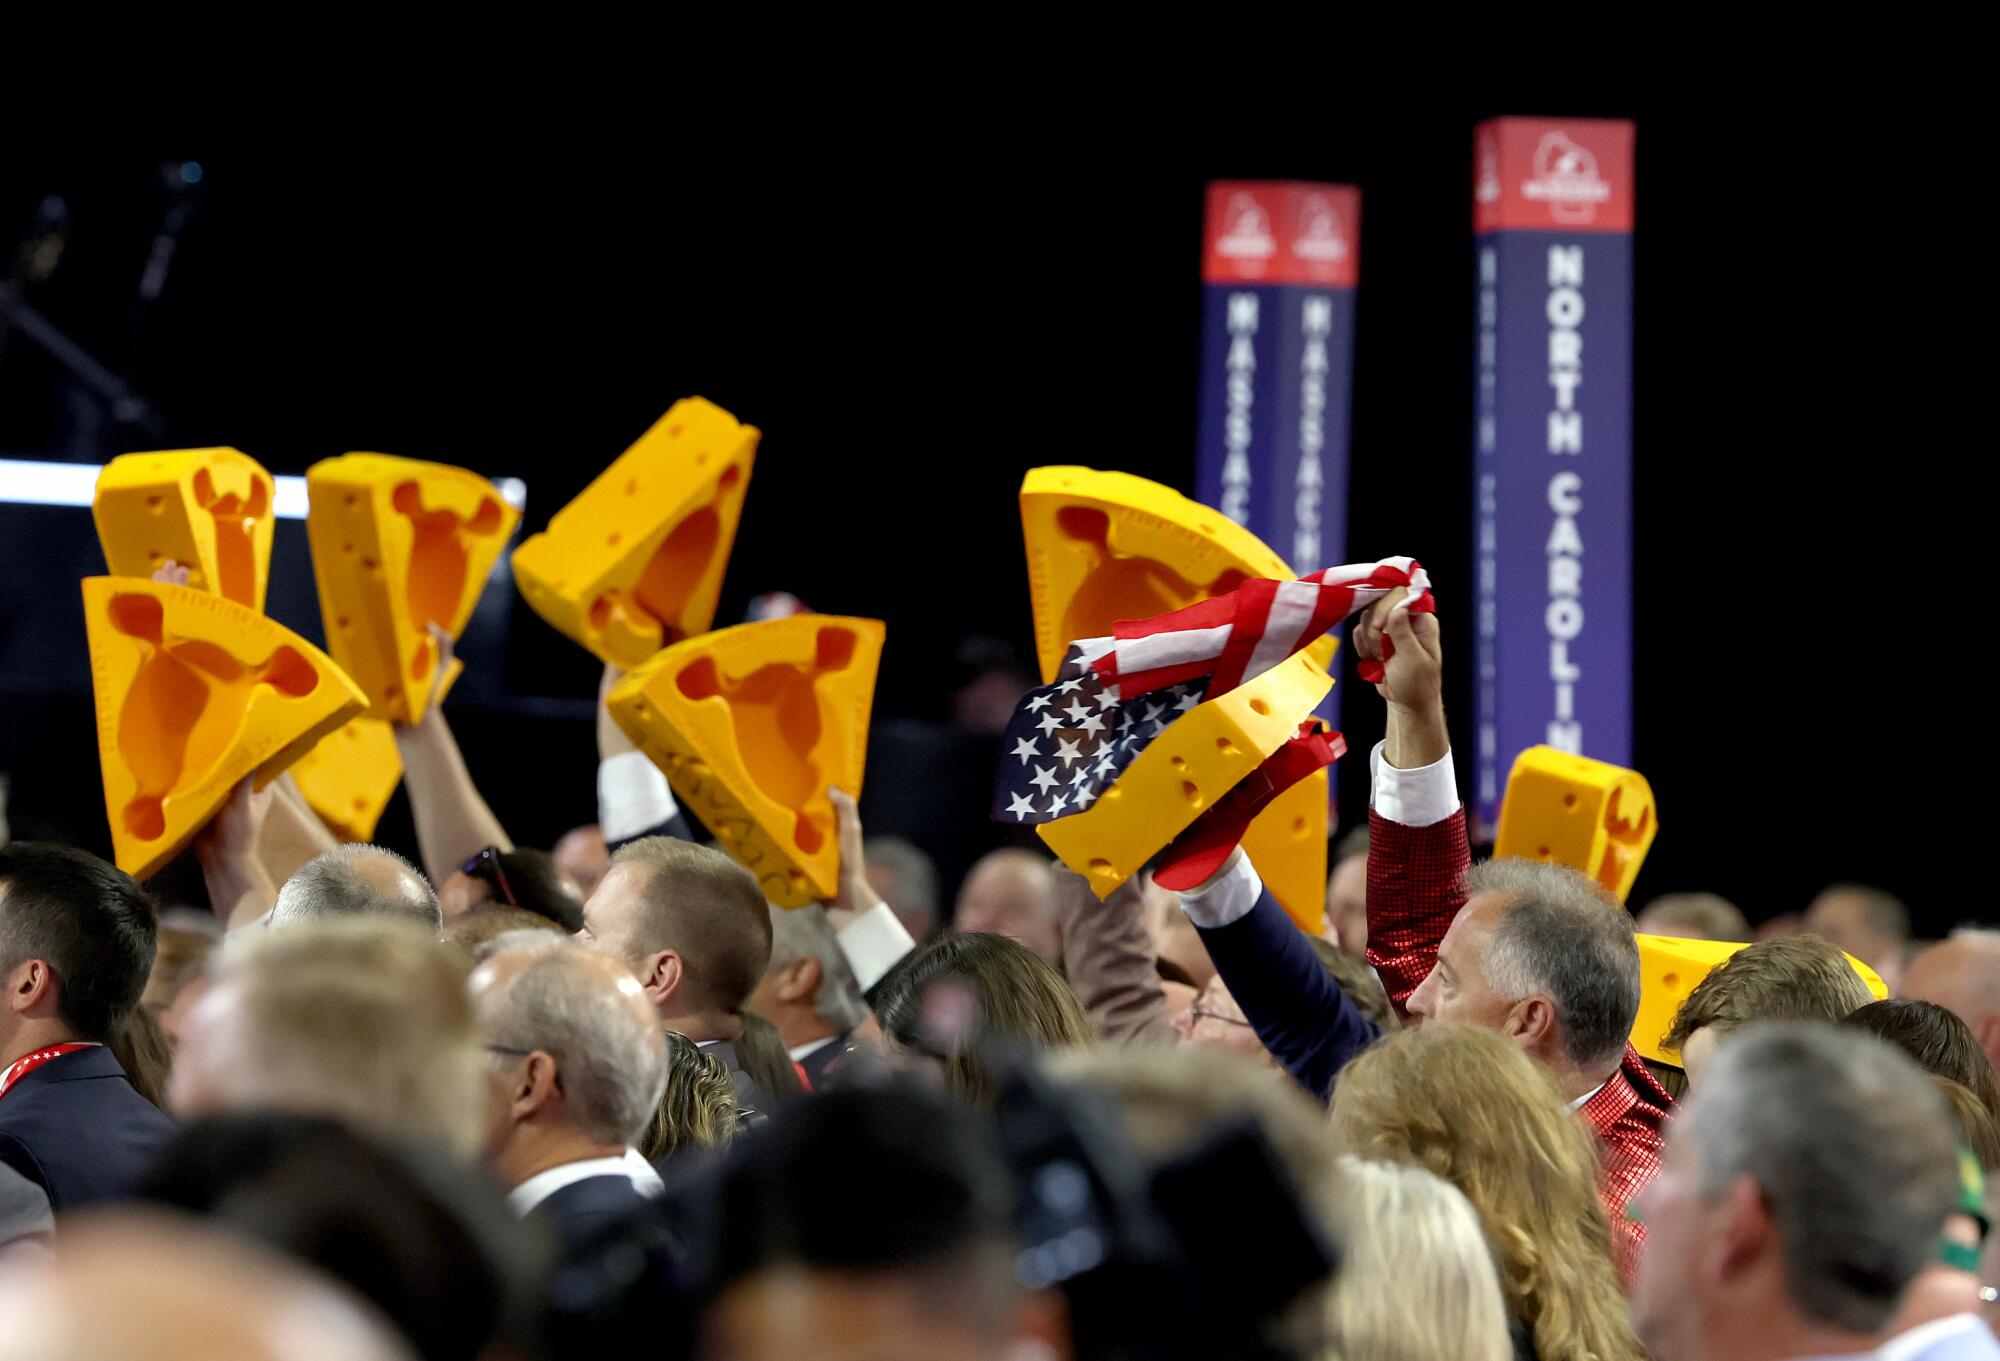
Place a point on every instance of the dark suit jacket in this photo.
(821, 1059)
(584, 1210)
(76, 1128)
(1302, 1015)
(753, 1106)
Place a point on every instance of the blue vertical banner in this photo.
(1552, 492)
(1279, 269)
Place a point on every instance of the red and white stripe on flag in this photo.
(1239, 636)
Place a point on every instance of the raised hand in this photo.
(1408, 645)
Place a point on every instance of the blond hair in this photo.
(1416, 1278)
(1799, 978)
(365, 1018)
(697, 1107)
(1466, 1104)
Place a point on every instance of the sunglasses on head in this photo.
(486, 868)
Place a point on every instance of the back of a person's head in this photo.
(420, 1237)
(1936, 1041)
(697, 1107)
(698, 902)
(473, 931)
(761, 1052)
(907, 878)
(1798, 978)
(88, 921)
(1849, 1148)
(1696, 916)
(179, 955)
(364, 1018)
(133, 1284)
(1469, 1105)
(540, 887)
(866, 1182)
(990, 989)
(805, 933)
(1416, 1278)
(356, 880)
(1877, 911)
(1563, 936)
(543, 993)
(1171, 1101)
(1358, 981)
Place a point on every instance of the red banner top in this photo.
(1552, 174)
(1282, 232)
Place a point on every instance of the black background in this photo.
(915, 321)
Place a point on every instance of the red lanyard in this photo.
(25, 1066)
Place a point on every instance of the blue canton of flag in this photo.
(1070, 740)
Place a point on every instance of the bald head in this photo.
(1012, 893)
(352, 880)
(128, 1286)
(1962, 975)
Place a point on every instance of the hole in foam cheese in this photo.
(751, 724)
(635, 562)
(1105, 546)
(194, 692)
(1597, 818)
(399, 544)
(207, 509)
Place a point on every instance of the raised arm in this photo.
(1110, 962)
(1300, 1013)
(453, 822)
(1417, 848)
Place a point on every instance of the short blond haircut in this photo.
(362, 1018)
(1466, 1104)
(1416, 1278)
(1799, 978)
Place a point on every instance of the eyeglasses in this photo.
(486, 868)
(1196, 1012)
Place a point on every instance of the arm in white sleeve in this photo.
(632, 796)
(1415, 798)
(874, 943)
(1227, 898)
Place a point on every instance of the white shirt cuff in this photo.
(1228, 899)
(632, 796)
(1416, 798)
(874, 942)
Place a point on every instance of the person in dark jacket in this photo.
(76, 945)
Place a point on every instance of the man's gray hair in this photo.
(1849, 1144)
(608, 1052)
(1564, 937)
(332, 884)
(804, 932)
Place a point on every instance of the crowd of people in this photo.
(605, 1100)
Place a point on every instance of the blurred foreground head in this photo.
(365, 1018)
(127, 1286)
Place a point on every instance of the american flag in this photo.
(1070, 740)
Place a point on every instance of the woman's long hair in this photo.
(1468, 1105)
(1020, 999)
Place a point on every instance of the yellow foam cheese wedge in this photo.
(1183, 771)
(349, 778)
(399, 544)
(1595, 817)
(207, 509)
(193, 693)
(635, 562)
(1105, 547)
(751, 724)
(1669, 968)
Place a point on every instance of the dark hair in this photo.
(870, 1180)
(420, 1238)
(706, 906)
(1938, 1040)
(89, 921)
(539, 887)
(761, 1051)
